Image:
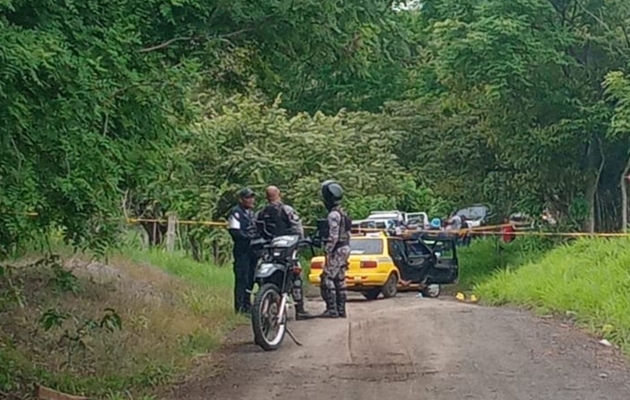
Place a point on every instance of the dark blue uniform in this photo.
(244, 258)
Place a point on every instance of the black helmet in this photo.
(332, 193)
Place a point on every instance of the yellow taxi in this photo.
(372, 268)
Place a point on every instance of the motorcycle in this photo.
(277, 276)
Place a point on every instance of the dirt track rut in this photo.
(409, 348)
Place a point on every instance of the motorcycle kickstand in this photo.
(293, 337)
(297, 342)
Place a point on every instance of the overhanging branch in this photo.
(191, 38)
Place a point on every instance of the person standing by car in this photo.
(466, 232)
(507, 231)
(239, 223)
(455, 226)
(435, 225)
(337, 251)
(455, 223)
(281, 219)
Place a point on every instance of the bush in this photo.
(93, 328)
(589, 278)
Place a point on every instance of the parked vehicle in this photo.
(371, 225)
(476, 215)
(521, 221)
(418, 220)
(385, 264)
(413, 220)
(276, 275)
(395, 215)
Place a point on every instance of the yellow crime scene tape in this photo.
(490, 230)
(179, 222)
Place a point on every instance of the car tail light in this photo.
(369, 264)
(317, 265)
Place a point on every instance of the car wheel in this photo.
(371, 294)
(390, 289)
(432, 291)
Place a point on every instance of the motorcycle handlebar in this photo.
(263, 243)
(306, 242)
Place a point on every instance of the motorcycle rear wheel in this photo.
(265, 317)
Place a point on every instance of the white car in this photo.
(383, 215)
(412, 219)
(418, 220)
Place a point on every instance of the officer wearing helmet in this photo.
(337, 251)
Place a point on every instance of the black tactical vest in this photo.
(276, 220)
(345, 227)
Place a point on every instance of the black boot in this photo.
(331, 305)
(341, 304)
(300, 313)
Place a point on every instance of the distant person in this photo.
(281, 219)
(466, 236)
(337, 250)
(239, 223)
(507, 231)
(455, 223)
(393, 228)
(435, 224)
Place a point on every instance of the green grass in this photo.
(179, 265)
(589, 278)
(485, 256)
(173, 310)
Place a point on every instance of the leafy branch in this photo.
(73, 338)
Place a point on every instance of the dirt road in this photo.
(409, 348)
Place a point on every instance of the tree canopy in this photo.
(147, 107)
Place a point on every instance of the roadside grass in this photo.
(588, 280)
(55, 329)
(485, 256)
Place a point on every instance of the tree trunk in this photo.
(195, 248)
(624, 197)
(155, 232)
(596, 162)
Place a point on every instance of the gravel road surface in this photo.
(410, 348)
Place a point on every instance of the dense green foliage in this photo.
(135, 109)
(588, 280)
(114, 109)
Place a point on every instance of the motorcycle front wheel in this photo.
(268, 329)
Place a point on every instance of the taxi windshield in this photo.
(366, 246)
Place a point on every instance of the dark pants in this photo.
(298, 293)
(466, 240)
(244, 266)
(333, 290)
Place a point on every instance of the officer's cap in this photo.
(246, 193)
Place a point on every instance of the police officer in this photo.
(281, 219)
(239, 223)
(337, 251)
